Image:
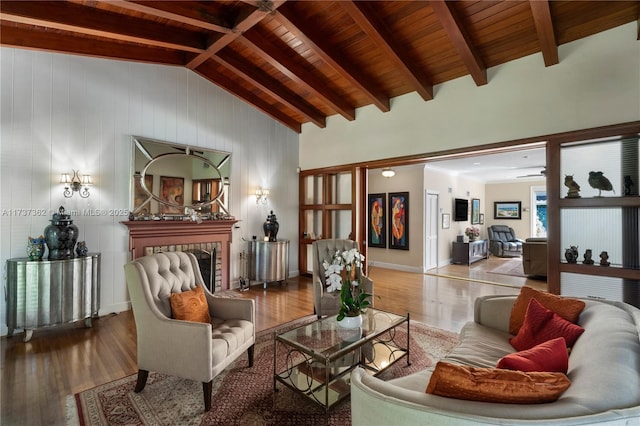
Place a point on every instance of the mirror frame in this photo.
(138, 148)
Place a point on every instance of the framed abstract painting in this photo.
(399, 220)
(377, 225)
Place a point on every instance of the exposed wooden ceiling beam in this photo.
(78, 19)
(280, 58)
(269, 85)
(207, 71)
(382, 36)
(332, 57)
(461, 40)
(12, 35)
(263, 8)
(143, 7)
(544, 28)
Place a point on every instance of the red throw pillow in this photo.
(551, 355)
(496, 385)
(567, 308)
(190, 306)
(541, 324)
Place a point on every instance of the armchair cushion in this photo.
(190, 305)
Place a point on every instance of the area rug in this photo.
(241, 395)
(511, 267)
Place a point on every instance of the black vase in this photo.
(271, 227)
(61, 236)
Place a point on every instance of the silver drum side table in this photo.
(50, 292)
(269, 261)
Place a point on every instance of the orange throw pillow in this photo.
(551, 355)
(567, 308)
(496, 385)
(190, 306)
(542, 324)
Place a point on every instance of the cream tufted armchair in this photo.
(192, 350)
(326, 303)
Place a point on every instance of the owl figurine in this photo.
(598, 181)
(574, 188)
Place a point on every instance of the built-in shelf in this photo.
(607, 202)
(603, 271)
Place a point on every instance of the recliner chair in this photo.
(328, 303)
(503, 241)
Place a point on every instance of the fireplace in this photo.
(203, 239)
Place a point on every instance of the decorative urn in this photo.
(61, 236)
(271, 227)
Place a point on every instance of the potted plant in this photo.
(341, 275)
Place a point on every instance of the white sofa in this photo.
(604, 369)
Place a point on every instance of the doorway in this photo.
(431, 214)
(538, 211)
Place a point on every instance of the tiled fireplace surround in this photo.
(146, 237)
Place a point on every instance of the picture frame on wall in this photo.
(481, 219)
(446, 220)
(475, 211)
(398, 213)
(377, 221)
(507, 210)
(172, 191)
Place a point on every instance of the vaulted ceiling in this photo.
(301, 61)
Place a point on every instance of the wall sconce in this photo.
(388, 172)
(262, 195)
(75, 184)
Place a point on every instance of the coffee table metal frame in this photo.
(321, 355)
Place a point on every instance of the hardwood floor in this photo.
(38, 376)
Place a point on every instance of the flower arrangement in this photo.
(352, 300)
(472, 232)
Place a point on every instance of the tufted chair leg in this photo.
(250, 351)
(142, 380)
(207, 388)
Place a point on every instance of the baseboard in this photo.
(404, 268)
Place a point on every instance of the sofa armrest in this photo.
(494, 311)
(225, 308)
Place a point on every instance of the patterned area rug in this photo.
(241, 395)
(511, 267)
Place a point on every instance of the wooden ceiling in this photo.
(301, 61)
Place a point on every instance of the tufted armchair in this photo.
(328, 303)
(192, 350)
(503, 241)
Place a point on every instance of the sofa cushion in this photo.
(190, 305)
(551, 355)
(567, 308)
(496, 385)
(541, 324)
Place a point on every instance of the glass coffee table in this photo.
(320, 356)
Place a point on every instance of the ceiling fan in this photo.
(542, 173)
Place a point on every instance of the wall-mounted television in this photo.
(460, 210)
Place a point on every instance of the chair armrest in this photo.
(225, 308)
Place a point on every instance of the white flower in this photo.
(334, 282)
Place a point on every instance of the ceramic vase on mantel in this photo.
(351, 322)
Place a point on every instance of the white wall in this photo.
(516, 191)
(62, 112)
(596, 83)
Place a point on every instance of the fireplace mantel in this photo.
(151, 233)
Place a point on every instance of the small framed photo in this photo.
(446, 220)
(507, 210)
(481, 219)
